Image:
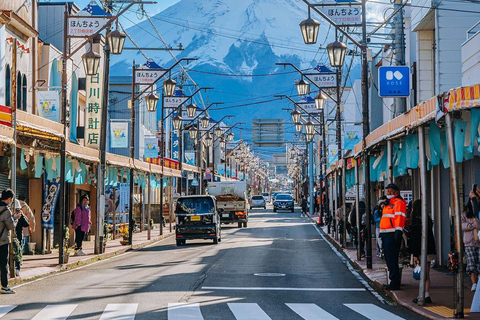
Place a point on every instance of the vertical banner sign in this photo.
(48, 105)
(175, 146)
(332, 153)
(124, 197)
(190, 158)
(119, 134)
(94, 110)
(353, 135)
(151, 148)
(50, 196)
(220, 169)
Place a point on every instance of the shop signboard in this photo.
(394, 81)
(48, 105)
(175, 146)
(332, 153)
(344, 15)
(94, 110)
(148, 76)
(119, 134)
(88, 21)
(151, 148)
(51, 191)
(173, 102)
(124, 197)
(353, 135)
(190, 158)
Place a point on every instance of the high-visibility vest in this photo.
(393, 215)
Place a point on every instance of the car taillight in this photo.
(239, 213)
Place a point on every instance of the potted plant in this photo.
(66, 248)
(123, 231)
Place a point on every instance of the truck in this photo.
(232, 201)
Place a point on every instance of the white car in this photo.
(266, 196)
(258, 202)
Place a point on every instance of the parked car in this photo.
(197, 218)
(266, 196)
(258, 202)
(274, 195)
(283, 202)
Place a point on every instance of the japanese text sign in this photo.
(343, 15)
(94, 111)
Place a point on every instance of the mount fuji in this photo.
(237, 44)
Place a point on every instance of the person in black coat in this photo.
(415, 243)
(21, 222)
(304, 205)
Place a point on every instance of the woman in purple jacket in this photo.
(470, 222)
(82, 223)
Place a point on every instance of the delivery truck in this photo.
(232, 201)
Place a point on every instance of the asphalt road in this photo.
(278, 268)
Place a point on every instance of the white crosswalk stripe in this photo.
(6, 309)
(371, 311)
(180, 311)
(310, 311)
(248, 311)
(55, 312)
(120, 311)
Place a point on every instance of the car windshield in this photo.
(257, 198)
(284, 197)
(195, 205)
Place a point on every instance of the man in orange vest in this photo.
(391, 231)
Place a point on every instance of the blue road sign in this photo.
(394, 81)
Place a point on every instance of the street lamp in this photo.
(309, 127)
(116, 40)
(336, 53)
(309, 28)
(152, 101)
(169, 87)
(320, 100)
(204, 122)
(295, 116)
(191, 108)
(298, 127)
(208, 141)
(177, 122)
(303, 87)
(193, 133)
(91, 62)
(230, 136)
(218, 131)
(309, 137)
(222, 144)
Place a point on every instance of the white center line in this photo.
(282, 289)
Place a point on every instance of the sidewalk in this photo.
(441, 288)
(35, 266)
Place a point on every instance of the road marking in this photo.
(6, 309)
(269, 274)
(120, 311)
(55, 312)
(371, 311)
(182, 311)
(310, 311)
(282, 289)
(350, 267)
(248, 311)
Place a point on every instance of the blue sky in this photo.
(131, 18)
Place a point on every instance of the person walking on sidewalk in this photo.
(470, 224)
(415, 244)
(6, 224)
(21, 223)
(81, 223)
(27, 212)
(304, 206)
(377, 216)
(391, 231)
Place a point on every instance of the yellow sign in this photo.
(195, 218)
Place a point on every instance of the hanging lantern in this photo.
(152, 101)
(208, 141)
(218, 131)
(91, 62)
(205, 121)
(116, 40)
(309, 28)
(295, 116)
(309, 137)
(298, 127)
(169, 87)
(177, 122)
(320, 100)
(309, 127)
(222, 144)
(336, 53)
(191, 108)
(303, 87)
(230, 136)
(193, 132)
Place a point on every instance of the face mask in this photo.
(390, 196)
(85, 206)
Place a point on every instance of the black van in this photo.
(197, 218)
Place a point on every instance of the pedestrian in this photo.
(415, 243)
(81, 223)
(304, 206)
(21, 222)
(27, 212)
(6, 224)
(339, 217)
(391, 231)
(363, 226)
(377, 216)
(317, 204)
(470, 225)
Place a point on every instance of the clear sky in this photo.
(131, 17)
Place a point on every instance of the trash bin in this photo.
(31, 247)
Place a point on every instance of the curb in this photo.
(89, 260)
(378, 285)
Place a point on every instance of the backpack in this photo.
(72, 217)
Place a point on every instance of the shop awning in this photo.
(119, 161)
(6, 135)
(82, 153)
(168, 172)
(141, 165)
(187, 167)
(37, 126)
(156, 169)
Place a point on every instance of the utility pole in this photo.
(399, 51)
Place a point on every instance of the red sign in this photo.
(172, 164)
(6, 116)
(208, 170)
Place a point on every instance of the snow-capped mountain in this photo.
(237, 43)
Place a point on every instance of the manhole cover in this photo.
(269, 274)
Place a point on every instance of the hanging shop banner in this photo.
(50, 195)
(88, 21)
(190, 158)
(94, 110)
(124, 197)
(175, 146)
(240, 175)
(353, 135)
(332, 154)
(220, 169)
(148, 76)
(173, 102)
(48, 105)
(110, 202)
(151, 148)
(119, 134)
(344, 15)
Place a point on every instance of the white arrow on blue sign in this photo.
(394, 81)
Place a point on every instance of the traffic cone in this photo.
(320, 221)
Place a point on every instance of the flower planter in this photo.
(124, 242)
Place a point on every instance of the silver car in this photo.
(258, 202)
